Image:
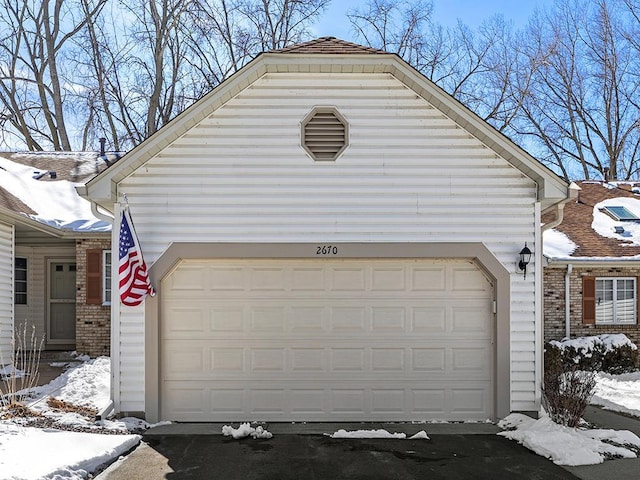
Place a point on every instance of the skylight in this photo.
(621, 213)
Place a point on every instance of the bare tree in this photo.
(35, 76)
(224, 35)
(580, 112)
(476, 67)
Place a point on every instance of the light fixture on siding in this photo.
(525, 258)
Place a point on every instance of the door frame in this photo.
(483, 257)
(49, 261)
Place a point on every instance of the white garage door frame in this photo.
(477, 252)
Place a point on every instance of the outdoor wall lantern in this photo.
(525, 258)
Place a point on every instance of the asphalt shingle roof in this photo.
(328, 45)
(578, 219)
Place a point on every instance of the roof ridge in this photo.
(327, 45)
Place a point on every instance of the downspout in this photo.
(98, 214)
(567, 301)
(573, 192)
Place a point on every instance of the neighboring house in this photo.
(331, 237)
(52, 253)
(591, 277)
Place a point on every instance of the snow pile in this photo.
(66, 452)
(604, 224)
(380, 433)
(620, 393)
(557, 245)
(569, 446)
(11, 371)
(59, 454)
(586, 345)
(86, 384)
(57, 203)
(245, 430)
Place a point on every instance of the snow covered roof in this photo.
(589, 232)
(41, 187)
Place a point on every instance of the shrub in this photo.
(611, 353)
(566, 393)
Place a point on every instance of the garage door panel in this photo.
(200, 359)
(226, 278)
(336, 340)
(229, 402)
(388, 279)
(429, 320)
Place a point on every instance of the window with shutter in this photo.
(615, 300)
(94, 277)
(324, 134)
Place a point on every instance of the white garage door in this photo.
(334, 340)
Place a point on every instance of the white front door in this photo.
(300, 340)
(62, 303)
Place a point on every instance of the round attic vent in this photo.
(324, 134)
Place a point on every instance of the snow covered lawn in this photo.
(619, 393)
(59, 443)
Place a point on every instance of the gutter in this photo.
(573, 192)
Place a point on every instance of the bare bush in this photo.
(566, 393)
(22, 374)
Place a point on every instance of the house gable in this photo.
(326, 56)
(417, 171)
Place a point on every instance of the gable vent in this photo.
(324, 134)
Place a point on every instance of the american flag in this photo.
(133, 277)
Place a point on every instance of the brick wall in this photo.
(93, 322)
(554, 311)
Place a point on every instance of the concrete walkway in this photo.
(626, 468)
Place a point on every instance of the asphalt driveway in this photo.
(309, 457)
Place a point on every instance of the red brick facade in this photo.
(554, 303)
(93, 322)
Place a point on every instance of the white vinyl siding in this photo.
(7, 253)
(410, 174)
(616, 301)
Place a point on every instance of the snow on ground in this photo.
(569, 446)
(33, 453)
(245, 430)
(380, 433)
(619, 393)
(65, 447)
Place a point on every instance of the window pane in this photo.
(106, 275)
(20, 281)
(604, 301)
(626, 301)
